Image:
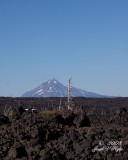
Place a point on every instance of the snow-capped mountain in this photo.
(53, 88)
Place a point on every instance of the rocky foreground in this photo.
(62, 135)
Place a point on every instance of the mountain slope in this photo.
(53, 88)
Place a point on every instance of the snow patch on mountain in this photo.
(40, 90)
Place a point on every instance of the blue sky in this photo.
(85, 39)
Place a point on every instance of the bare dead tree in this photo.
(70, 102)
(60, 104)
(7, 110)
(19, 103)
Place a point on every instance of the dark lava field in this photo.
(96, 129)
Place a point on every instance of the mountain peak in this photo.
(53, 88)
(53, 80)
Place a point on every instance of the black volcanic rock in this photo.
(81, 120)
(3, 119)
(38, 136)
(53, 88)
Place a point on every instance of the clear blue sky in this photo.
(85, 39)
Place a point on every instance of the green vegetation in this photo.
(11, 113)
(49, 112)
